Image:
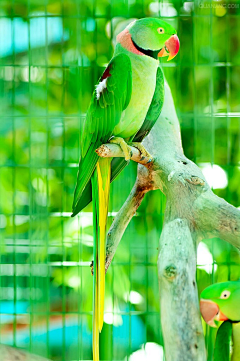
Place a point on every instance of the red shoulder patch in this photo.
(106, 73)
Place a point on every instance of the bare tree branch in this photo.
(121, 222)
(113, 150)
(192, 213)
(12, 354)
(224, 221)
(180, 317)
(189, 196)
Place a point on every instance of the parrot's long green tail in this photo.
(100, 196)
(222, 344)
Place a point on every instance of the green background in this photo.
(51, 55)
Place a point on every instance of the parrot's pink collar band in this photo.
(124, 38)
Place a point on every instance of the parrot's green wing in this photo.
(222, 344)
(111, 97)
(118, 164)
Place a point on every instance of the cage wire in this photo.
(51, 55)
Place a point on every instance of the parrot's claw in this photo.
(123, 145)
(144, 153)
(91, 265)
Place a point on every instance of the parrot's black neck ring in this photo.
(151, 53)
(234, 321)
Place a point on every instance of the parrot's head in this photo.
(151, 37)
(221, 302)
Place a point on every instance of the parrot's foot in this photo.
(123, 145)
(91, 265)
(144, 153)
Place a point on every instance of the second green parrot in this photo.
(221, 302)
(125, 105)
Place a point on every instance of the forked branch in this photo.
(193, 212)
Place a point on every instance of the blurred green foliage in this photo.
(51, 55)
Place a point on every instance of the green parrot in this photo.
(125, 105)
(221, 302)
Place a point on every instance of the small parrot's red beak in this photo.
(210, 312)
(171, 48)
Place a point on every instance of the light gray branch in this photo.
(180, 317)
(110, 150)
(13, 354)
(192, 213)
(121, 222)
(224, 222)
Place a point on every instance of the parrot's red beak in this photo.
(171, 48)
(210, 312)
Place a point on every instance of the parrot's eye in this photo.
(225, 294)
(160, 30)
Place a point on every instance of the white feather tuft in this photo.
(100, 87)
